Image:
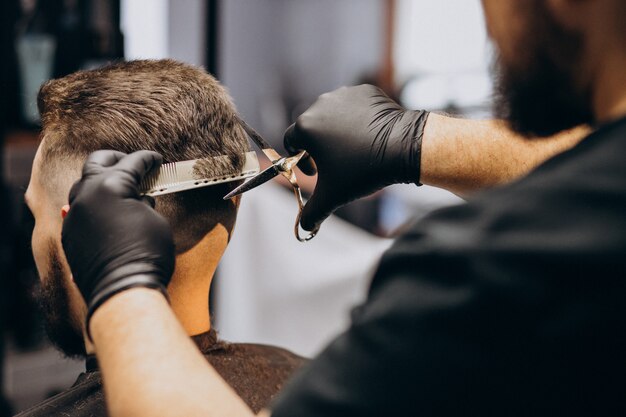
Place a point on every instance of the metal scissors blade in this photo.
(261, 178)
(280, 165)
(283, 166)
(265, 147)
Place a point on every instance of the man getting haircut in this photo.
(183, 113)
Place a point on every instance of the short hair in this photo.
(169, 107)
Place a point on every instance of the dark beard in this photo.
(54, 302)
(540, 97)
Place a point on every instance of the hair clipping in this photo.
(187, 175)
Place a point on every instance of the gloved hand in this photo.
(360, 141)
(112, 238)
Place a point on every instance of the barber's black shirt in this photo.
(513, 304)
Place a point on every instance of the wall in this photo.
(155, 29)
(277, 56)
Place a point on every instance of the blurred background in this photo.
(276, 57)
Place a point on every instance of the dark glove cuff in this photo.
(134, 281)
(413, 164)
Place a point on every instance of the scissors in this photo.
(280, 165)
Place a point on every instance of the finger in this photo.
(306, 164)
(149, 200)
(293, 140)
(316, 210)
(139, 164)
(99, 160)
(74, 191)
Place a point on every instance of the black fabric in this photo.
(84, 399)
(255, 372)
(513, 304)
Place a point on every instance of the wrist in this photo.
(432, 132)
(123, 308)
(410, 141)
(149, 282)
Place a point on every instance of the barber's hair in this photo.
(165, 106)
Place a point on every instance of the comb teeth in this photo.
(166, 174)
(180, 176)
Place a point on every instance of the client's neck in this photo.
(191, 282)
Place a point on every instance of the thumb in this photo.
(139, 164)
(290, 142)
(316, 210)
(74, 191)
(98, 160)
(148, 200)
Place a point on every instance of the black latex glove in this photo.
(112, 238)
(360, 141)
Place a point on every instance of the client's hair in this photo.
(172, 108)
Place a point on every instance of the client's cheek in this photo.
(39, 254)
(78, 307)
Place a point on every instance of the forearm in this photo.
(463, 155)
(151, 367)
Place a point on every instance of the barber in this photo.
(362, 141)
(509, 305)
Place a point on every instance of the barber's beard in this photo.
(539, 97)
(54, 301)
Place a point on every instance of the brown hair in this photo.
(166, 106)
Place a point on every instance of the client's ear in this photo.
(64, 210)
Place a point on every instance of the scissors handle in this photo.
(311, 235)
(280, 165)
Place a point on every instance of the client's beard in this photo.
(54, 302)
(540, 97)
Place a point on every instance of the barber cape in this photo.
(256, 372)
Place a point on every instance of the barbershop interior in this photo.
(274, 58)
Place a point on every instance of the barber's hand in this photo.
(360, 141)
(113, 239)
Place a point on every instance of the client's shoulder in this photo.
(212, 346)
(84, 398)
(256, 372)
(273, 354)
(259, 355)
